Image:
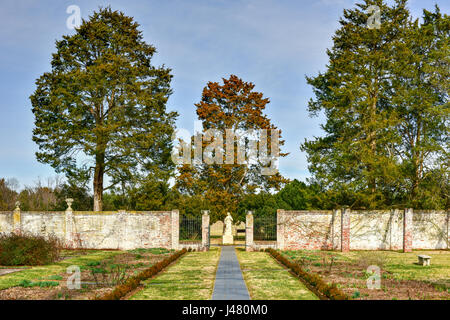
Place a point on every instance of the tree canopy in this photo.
(101, 110)
(233, 105)
(385, 98)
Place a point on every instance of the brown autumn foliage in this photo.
(231, 105)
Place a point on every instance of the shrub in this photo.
(28, 249)
(109, 274)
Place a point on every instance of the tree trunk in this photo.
(373, 146)
(417, 162)
(98, 182)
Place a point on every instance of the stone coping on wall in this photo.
(117, 212)
(431, 211)
(88, 212)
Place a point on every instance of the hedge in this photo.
(26, 249)
(135, 281)
(314, 280)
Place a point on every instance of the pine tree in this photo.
(355, 156)
(385, 97)
(102, 108)
(420, 98)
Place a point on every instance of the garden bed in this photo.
(400, 278)
(101, 272)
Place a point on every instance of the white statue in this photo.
(228, 223)
(228, 234)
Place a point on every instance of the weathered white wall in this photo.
(369, 230)
(6, 222)
(373, 230)
(430, 230)
(99, 230)
(310, 229)
(43, 223)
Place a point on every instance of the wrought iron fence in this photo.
(265, 228)
(190, 228)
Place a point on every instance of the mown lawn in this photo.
(403, 266)
(268, 280)
(190, 278)
(39, 272)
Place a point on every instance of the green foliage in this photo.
(296, 195)
(261, 204)
(41, 284)
(105, 101)
(27, 249)
(80, 194)
(385, 97)
(141, 251)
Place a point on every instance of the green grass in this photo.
(403, 265)
(268, 280)
(190, 278)
(39, 272)
(42, 284)
(140, 251)
(400, 265)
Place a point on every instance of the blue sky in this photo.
(273, 44)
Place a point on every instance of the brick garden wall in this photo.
(310, 229)
(99, 230)
(430, 229)
(359, 230)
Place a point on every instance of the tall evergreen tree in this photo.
(420, 98)
(385, 98)
(102, 108)
(354, 157)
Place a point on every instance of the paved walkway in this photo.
(230, 283)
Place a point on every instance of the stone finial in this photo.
(69, 202)
(205, 212)
(249, 212)
(17, 205)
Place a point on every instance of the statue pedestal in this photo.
(227, 239)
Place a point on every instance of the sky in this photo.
(273, 44)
